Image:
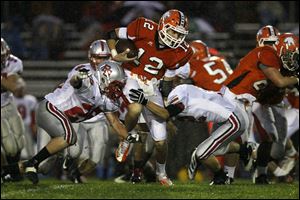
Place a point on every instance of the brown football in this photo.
(271, 94)
(122, 45)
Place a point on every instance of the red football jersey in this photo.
(153, 61)
(210, 73)
(248, 77)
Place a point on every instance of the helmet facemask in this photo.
(169, 39)
(290, 60)
(98, 50)
(111, 80)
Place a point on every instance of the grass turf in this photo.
(98, 189)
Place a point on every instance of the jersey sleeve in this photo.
(184, 71)
(16, 66)
(178, 96)
(183, 55)
(134, 30)
(269, 58)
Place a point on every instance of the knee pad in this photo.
(277, 151)
(7, 139)
(263, 154)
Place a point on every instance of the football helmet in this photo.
(5, 53)
(201, 50)
(98, 49)
(288, 51)
(111, 79)
(267, 35)
(173, 28)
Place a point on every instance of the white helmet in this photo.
(5, 52)
(98, 49)
(111, 79)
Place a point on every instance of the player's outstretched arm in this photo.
(112, 38)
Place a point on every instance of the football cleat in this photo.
(220, 178)
(31, 172)
(262, 180)
(229, 181)
(122, 151)
(246, 155)
(123, 178)
(164, 180)
(137, 176)
(193, 165)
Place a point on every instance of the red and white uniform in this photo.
(84, 103)
(248, 78)
(209, 73)
(13, 66)
(26, 107)
(12, 127)
(220, 107)
(153, 60)
(67, 104)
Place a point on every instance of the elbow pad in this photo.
(112, 35)
(165, 87)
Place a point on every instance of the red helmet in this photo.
(267, 35)
(288, 51)
(200, 49)
(176, 21)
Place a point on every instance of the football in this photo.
(271, 94)
(122, 45)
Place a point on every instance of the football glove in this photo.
(138, 96)
(84, 73)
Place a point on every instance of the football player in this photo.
(12, 127)
(208, 72)
(202, 105)
(161, 46)
(260, 66)
(87, 92)
(26, 105)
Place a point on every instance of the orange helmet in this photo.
(200, 49)
(288, 51)
(267, 35)
(176, 21)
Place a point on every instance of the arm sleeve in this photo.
(269, 58)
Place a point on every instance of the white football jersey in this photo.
(97, 118)
(202, 104)
(83, 103)
(26, 106)
(13, 66)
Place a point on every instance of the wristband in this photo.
(113, 52)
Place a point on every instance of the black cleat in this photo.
(31, 172)
(137, 176)
(262, 180)
(220, 178)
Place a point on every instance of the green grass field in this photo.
(97, 189)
